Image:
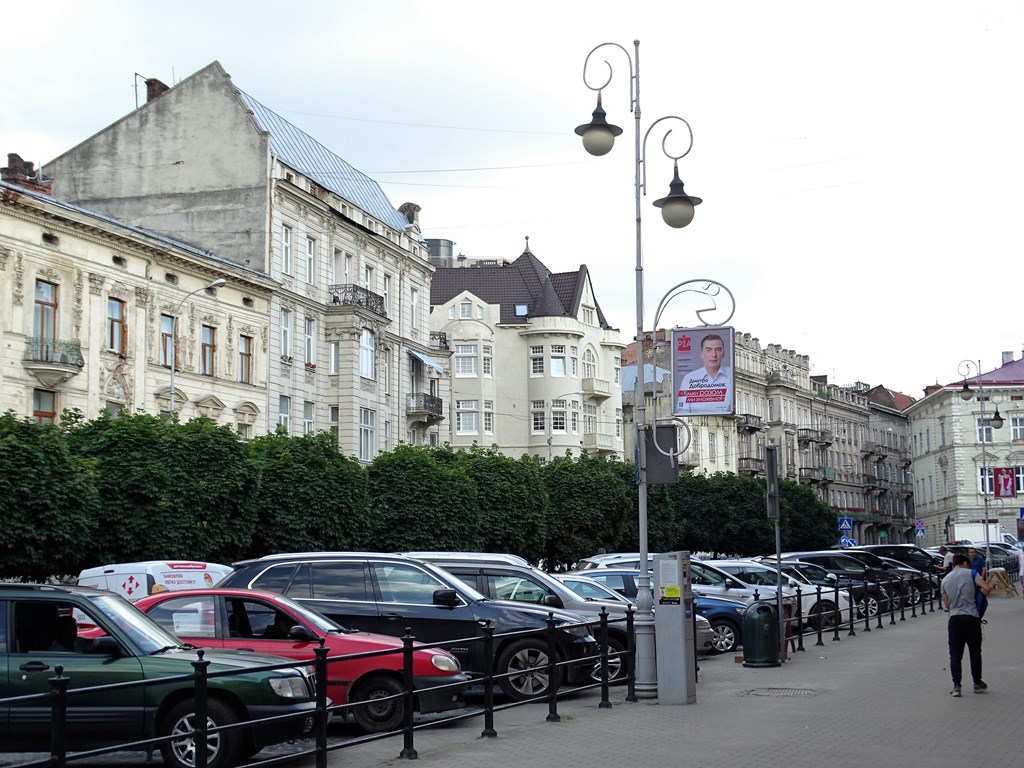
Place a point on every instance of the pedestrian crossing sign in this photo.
(845, 523)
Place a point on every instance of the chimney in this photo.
(155, 89)
(24, 174)
(411, 211)
(1007, 357)
(932, 388)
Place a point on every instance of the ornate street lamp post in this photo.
(982, 429)
(677, 211)
(174, 333)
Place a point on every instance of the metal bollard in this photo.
(199, 733)
(852, 631)
(799, 620)
(408, 750)
(322, 716)
(59, 718)
(878, 604)
(605, 702)
(552, 671)
(903, 607)
(821, 615)
(488, 731)
(630, 655)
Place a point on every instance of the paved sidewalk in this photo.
(879, 698)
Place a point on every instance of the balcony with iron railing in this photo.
(810, 475)
(828, 475)
(749, 465)
(348, 295)
(424, 407)
(52, 361)
(748, 422)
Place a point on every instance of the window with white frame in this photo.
(245, 367)
(310, 341)
(589, 364)
(479, 312)
(711, 446)
(286, 249)
(574, 361)
(588, 315)
(311, 260)
(617, 363)
(467, 417)
(414, 308)
(387, 294)
(487, 361)
(334, 357)
(208, 356)
(558, 360)
(385, 374)
(538, 424)
(308, 409)
(465, 309)
(1018, 476)
(367, 433)
(558, 414)
(451, 312)
(367, 354)
(986, 486)
(116, 335)
(725, 449)
(489, 417)
(284, 412)
(286, 333)
(465, 360)
(984, 430)
(589, 419)
(167, 345)
(333, 419)
(387, 435)
(1017, 428)
(618, 422)
(243, 431)
(537, 360)
(368, 278)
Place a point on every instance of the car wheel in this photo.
(380, 713)
(724, 636)
(616, 664)
(822, 615)
(221, 747)
(915, 595)
(524, 667)
(868, 605)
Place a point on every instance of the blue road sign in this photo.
(919, 524)
(846, 541)
(845, 523)
(919, 533)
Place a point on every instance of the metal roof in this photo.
(306, 155)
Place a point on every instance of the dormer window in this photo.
(521, 310)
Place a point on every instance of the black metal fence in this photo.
(60, 693)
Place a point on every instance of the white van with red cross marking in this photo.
(136, 580)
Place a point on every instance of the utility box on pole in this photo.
(674, 629)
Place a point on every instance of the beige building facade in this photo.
(94, 312)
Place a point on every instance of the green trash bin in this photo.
(761, 635)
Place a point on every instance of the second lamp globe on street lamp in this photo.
(677, 211)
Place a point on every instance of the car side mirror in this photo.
(552, 601)
(105, 646)
(302, 634)
(448, 598)
(831, 577)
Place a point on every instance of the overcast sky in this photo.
(861, 164)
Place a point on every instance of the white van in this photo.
(136, 580)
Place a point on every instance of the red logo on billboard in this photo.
(1005, 483)
(683, 345)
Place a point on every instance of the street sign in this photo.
(919, 533)
(846, 541)
(919, 524)
(845, 523)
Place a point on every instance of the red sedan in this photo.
(263, 622)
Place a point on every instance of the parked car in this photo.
(393, 594)
(904, 582)
(590, 588)
(511, 581)
(246, 620)
(853, 575)
(128, 646)
(135, 580)
(814, 610)
(908, 554)
(863, 595)
(614, 560)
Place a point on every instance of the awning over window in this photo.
(426, 360)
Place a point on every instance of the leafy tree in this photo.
(168, 490)
(805, 521)
(512, 500)
(311, 496)
(588, 504)
(49, 502)
(420, 502)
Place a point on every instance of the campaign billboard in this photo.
(703, 376)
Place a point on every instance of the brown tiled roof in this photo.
(525, 281)
(889, 398)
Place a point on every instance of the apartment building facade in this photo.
(349, 347)
(851, 450)
(956, 448)
(95, 313)
(535, 367)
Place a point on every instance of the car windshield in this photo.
(322, 623)
(809, 571)
(148, 636)
(457, 584)
(594, 590)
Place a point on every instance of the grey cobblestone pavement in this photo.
(878, 698)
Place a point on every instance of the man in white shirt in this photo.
(707, 389)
